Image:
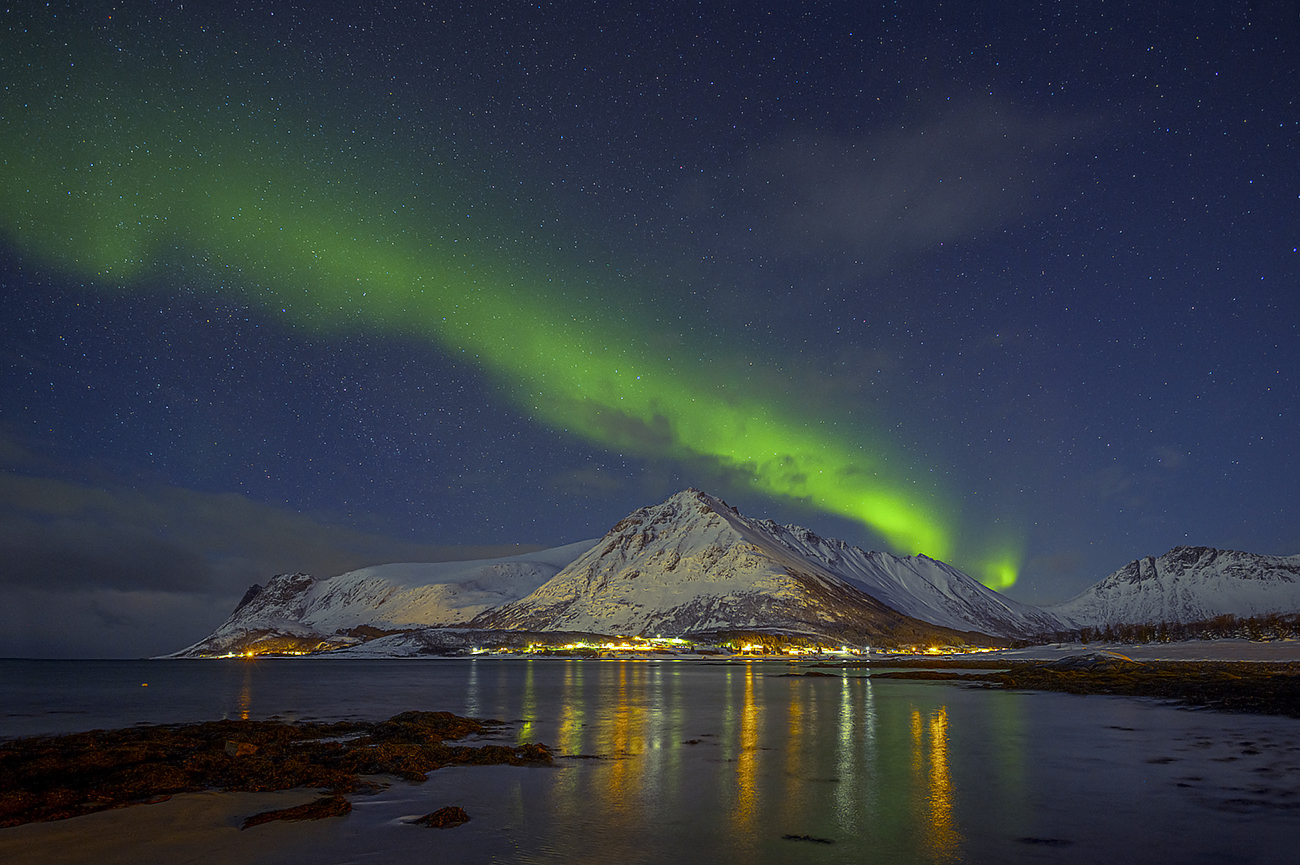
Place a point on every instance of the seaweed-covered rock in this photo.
(51, 778)
(326, 806)
(1092, 662)
(444, 818)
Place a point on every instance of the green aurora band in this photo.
(128, 179)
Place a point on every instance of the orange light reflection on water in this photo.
(747, 758)
(625, 736)
(941, 839)
(529, 710)
(246, 693)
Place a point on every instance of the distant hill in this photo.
(1186, 585)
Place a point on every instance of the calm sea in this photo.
(686, 762)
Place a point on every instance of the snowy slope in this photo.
(295, 611)
(695, 564)
(916, 586)
(421, 595)
(1188, 584)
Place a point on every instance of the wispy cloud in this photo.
(102, 563)
(891, 191)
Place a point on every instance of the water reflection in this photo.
(933, 784)
(796, 709)
(471, 691)
(569, 739)
(623, 734)
(747, 759)
(889, 771)
(693, 763)
(855, 771)
(568, 793)
(246, 692)
(529, 712)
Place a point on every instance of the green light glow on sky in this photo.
(124, 183)
(1000, 570)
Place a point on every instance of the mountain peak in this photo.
(693, 563)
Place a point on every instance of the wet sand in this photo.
(199, 828)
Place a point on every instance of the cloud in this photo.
(99, 623)
(1120, 486)
(180, 539)
(620, 429)
(12, 453)
(887, 193)
(78, 553)
(120, 571)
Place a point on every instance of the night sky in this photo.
(311, 286)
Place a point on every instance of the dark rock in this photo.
(326, 806)
(1096, 661)
(253, 591)
(56, 777)
(444, 818)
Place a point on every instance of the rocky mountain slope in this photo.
(694, 564)
(1187, 584)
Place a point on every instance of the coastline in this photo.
(51, 778)
(734, 749)
(1235, 686)
(1185, 650)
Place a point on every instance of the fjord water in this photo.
(690, 762)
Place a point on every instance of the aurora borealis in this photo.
(332, 263)
(842, 266)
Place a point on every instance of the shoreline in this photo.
(51, 778)
(1220, 649)
(204, 827)
(1236, 687)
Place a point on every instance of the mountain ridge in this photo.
(295, 612)
(695, 565)
(713, 568)
(1185, 585)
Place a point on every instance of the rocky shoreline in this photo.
(57, 777)
(1228, 686)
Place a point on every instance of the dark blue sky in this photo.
(1045, 258)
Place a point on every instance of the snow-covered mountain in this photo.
(694, 564)
(918, 586)
(1185, 585)
(299, 611)
(691, 564)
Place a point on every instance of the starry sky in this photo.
(311, 286)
